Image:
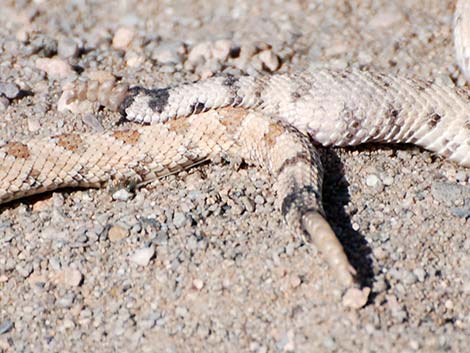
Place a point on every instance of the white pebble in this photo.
(295, 281)
(179, 219)
(24, 269)
(133, 59)
(388, 180)
(420, 273)
(71, 277)
(449, 304)
(169, 53)
(372, 180)
(122, 195)
(198, 284)
(356, 298)
(33, 124)
(142, 256)
(67, 324)
(55, 68)
(259, 200)
(461, 176)
(122, 38)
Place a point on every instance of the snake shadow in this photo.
(335, 198)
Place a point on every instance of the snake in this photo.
(271, 121)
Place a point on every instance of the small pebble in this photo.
(24, 269)
(71, 277)
(67, 48)
(259, 200)
(414, 345)
(295, 281)
(248, 203)
(4, 103)
(462, 176)
(287, 342)
(6, 326)
(117, 233)
(133, 59)
(9, 90)
(380, 253)
(54, 264)
(181, 311)
(55, 68)
(123, 38)
(419, 273)
(387, 180)
(449, 192)
(66, 301)
(67, 324)
(372, 180)
(329, 343)
(356, 298)
(198, 284)
(380, 284)
(22, 35)
(397, 310)
(449, 304)
(42, 205)
(43, 45)
(462, 212)
(33, 124)
(142, 256)
(409, 277)
(169, 53)
(290, 249)
(122, 195)
(179, 219)
(94, 123)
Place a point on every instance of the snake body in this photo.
(339, 108)
(148, 152)
(264, 121)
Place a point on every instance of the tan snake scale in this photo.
(269, 121)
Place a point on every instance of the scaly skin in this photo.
(336, 108)
(146, 153)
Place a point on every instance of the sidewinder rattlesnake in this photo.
(262, 121)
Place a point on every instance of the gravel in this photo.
(201, 261)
